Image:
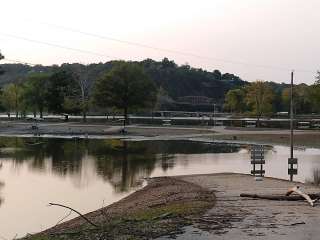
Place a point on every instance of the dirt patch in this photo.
(163, 207)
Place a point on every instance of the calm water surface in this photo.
(88, 174)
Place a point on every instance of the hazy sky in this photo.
(283, 34)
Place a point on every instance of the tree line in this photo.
(67, 90)
(103, 87)
(131, 86)
(262, 98)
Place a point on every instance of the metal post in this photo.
(291, 123)
(214, 115)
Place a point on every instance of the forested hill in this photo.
(176, 81)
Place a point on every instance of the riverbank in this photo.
(302, 138)
(163, 207)
(185, 207)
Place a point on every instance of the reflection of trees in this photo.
(125, 167)
(187, 147)
(167, 161)
(121, 163)
(1, 186)
(66, 155)
(316, 176)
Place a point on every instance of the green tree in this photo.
(125, 87)
(1, 57)
(301, 98)
(234, 100)
(259, 96)
(314, 91)
(12, 98)
(35, 91)
(61, 92)
(81, 78)
(318, 78)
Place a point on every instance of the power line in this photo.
(22, 62)
(142, 45)
(57, 45)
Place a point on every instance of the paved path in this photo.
(243, 218)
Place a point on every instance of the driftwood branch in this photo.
(61, 220)
(278, 197)
(302, 194)
(311, 198)
(81, 215)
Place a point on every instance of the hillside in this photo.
(177, 81)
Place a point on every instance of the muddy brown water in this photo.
(89, 174)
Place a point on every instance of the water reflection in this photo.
(1, 185)
(315, 176)
(121, 163)
(85, 173)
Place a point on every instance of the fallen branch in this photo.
(288, 196)
(61, 220)
(302, 194)
(279, 197)
(81, 215)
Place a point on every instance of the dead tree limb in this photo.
(81, 215)
(279, 197)
(302, 194)
(61, 220)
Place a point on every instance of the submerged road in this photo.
(236, 218)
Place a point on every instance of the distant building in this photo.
(195, 100)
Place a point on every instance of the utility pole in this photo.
(214, 115)
(291, 117)
(292, 161)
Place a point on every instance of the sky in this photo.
(254, 39)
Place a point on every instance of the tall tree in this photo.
(81, 77)
(1, 57)
(259, 96)
(125, 87)
(61, 92)
(301, 98)
(11, 98)
(234, 100)
(314, 91)
(35, 91)
(318, 78)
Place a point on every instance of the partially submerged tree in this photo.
(126, 87)
(259, 96)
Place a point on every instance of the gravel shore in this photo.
(200, 207)
(163, 207)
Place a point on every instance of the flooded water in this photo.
(89, 174)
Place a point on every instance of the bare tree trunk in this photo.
(84, 110)
(126, 120)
